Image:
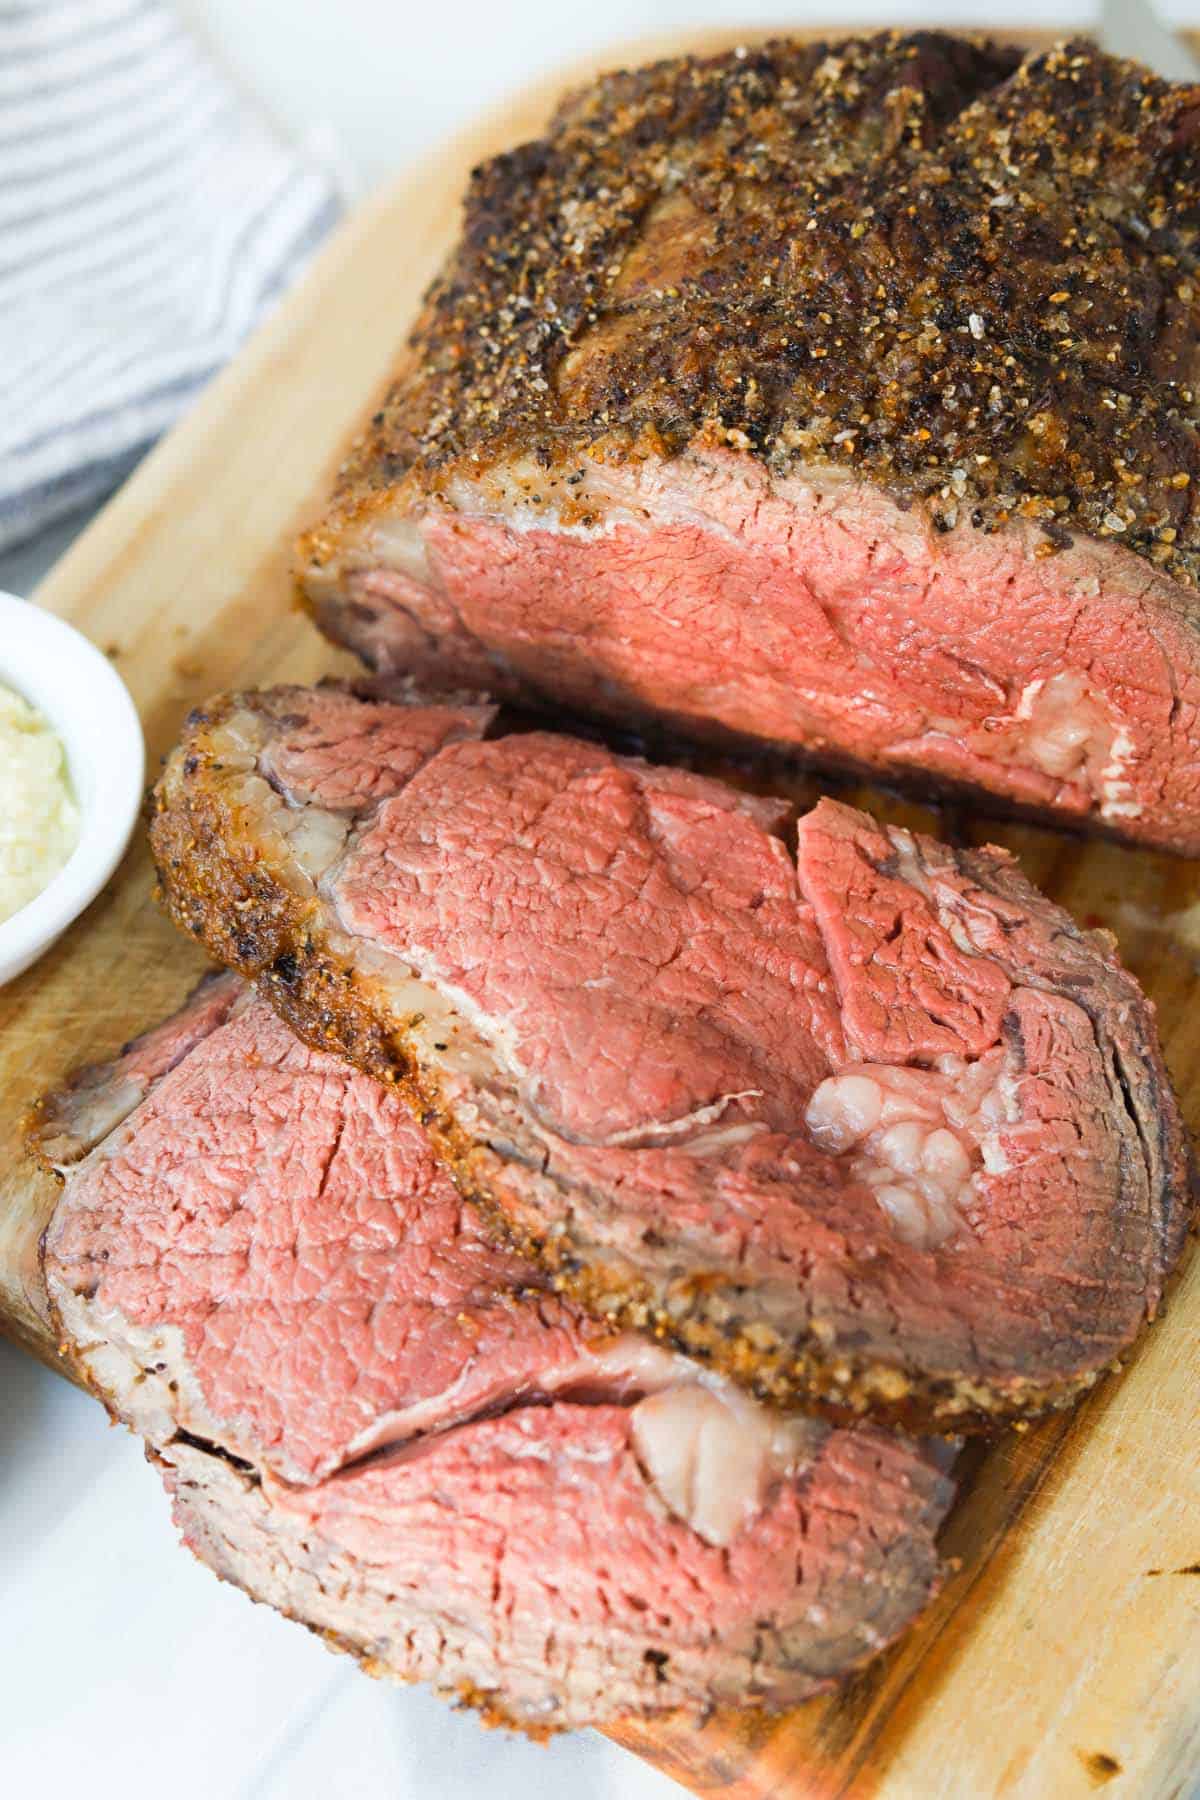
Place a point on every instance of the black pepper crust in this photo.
(969, 275)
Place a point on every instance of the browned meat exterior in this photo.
(863, 1120)
(373, 1419)
(833, 397)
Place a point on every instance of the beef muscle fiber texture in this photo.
(373, 1419)
(838, 397)
(860, 1118)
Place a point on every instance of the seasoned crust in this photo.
(970, 282)
(218, 885)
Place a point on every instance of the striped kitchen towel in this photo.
(149, 217)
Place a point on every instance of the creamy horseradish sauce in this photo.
(39, 820)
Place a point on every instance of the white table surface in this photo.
(125, 1668)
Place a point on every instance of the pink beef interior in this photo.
(287, 1219)
(667, 988)
(819, 618)
(629, 936)
(373, 1419)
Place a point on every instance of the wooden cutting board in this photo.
(1064, 1654)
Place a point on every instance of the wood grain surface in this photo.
(1064, 1654)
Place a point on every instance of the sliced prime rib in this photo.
(835, 397)
(370, 1417)
(864, 1120)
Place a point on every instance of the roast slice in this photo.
(859, 1119)
(374, 1420)
(839, 397)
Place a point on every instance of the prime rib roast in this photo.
(834, 397)
(527, 1280)
(372, 1418)
(861, 1120)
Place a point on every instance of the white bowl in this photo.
(66, 678)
